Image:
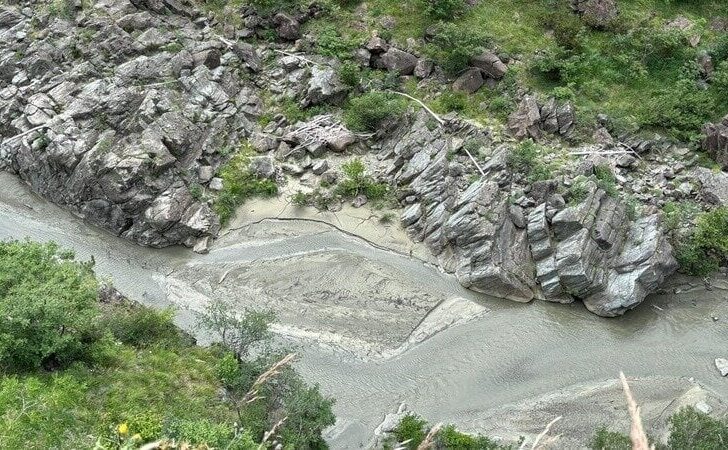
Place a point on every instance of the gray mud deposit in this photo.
(505, 371)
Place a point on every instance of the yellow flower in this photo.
(123, 429)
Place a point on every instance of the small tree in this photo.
(240, 334)
(48, 310)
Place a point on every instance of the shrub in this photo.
(239, 184)
(201, 432)
(444, 9)
(412, 428)
(454, 45)
(451, 439)
(453, 101)
(707, 248)
(525, 158)
(369, 111)
(610, 440)
(48, 308)
(606, 180)
(358, 182)
(693, 430)
(329, 42)
(143, 327)
(350, 74)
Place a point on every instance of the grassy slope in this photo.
(602, 83)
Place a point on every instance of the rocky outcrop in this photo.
(538, 247)
(116, 115)
(715, 142)
(593, 252)
(531, 119)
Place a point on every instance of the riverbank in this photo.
(510, 356)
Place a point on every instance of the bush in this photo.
(450, 438)
(453, 101)
(525, 158)
(367, 112)
(444, 9)
(350, 74)
(707, 248)
(143, 327)
(693, 430)
(606, 180)
(454, 45)
(358, 182)
(210, 434)
(412, 428)
(610, 440)
(48, 310)
(239, 184)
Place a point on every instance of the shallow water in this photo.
(513, 353)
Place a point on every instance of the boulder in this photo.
(490, 64)
(596, 13)
(715, 142)
(469, 82)
(324, 86)
(262, 167)
(396, 60)
(722, 365)
(713, 186)
(287, 27)
(525, 122)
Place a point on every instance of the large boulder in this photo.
(596, 13)
(713, 186)
(469, 82)
(396, 60)
(490, 64)
(715, 142)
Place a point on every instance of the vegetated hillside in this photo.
(82, 367)
(660, 64)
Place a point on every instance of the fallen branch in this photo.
(299, 57)
(637, 431)
(431, 112)
(25, 133)
(429, 442)
(541, 435)
(601, 152)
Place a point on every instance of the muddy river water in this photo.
(351, 308)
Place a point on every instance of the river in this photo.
(513, 359)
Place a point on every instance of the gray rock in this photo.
(324, 86)
(490, 64)
(469, 82)
(596, 13)
(715, 142)
(713, 185)
(203, 245)
(287, 27)
(216, 184)
(359, 201)
(424, 68)
(205, 173)
(525, 121)
(262, 167)
(722, 365)
(396, 60)
(319, 167)
(377, 45)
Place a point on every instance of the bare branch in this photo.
(431, 112)
(637, 432)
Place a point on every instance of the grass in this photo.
(629, 71)
(239, 184)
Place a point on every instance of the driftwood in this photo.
(637, 432)
(441, 123)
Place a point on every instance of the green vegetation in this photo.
(526, 158)
(239, 184)
(367, 112)
(412, 430)
(689, 430)
(140, 378)
(706, 248)
(48, 308)
(357, 182)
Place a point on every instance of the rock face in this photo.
(121, 133)
(716, 141)
(531, 119)
(593, 252)
(539, 248)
